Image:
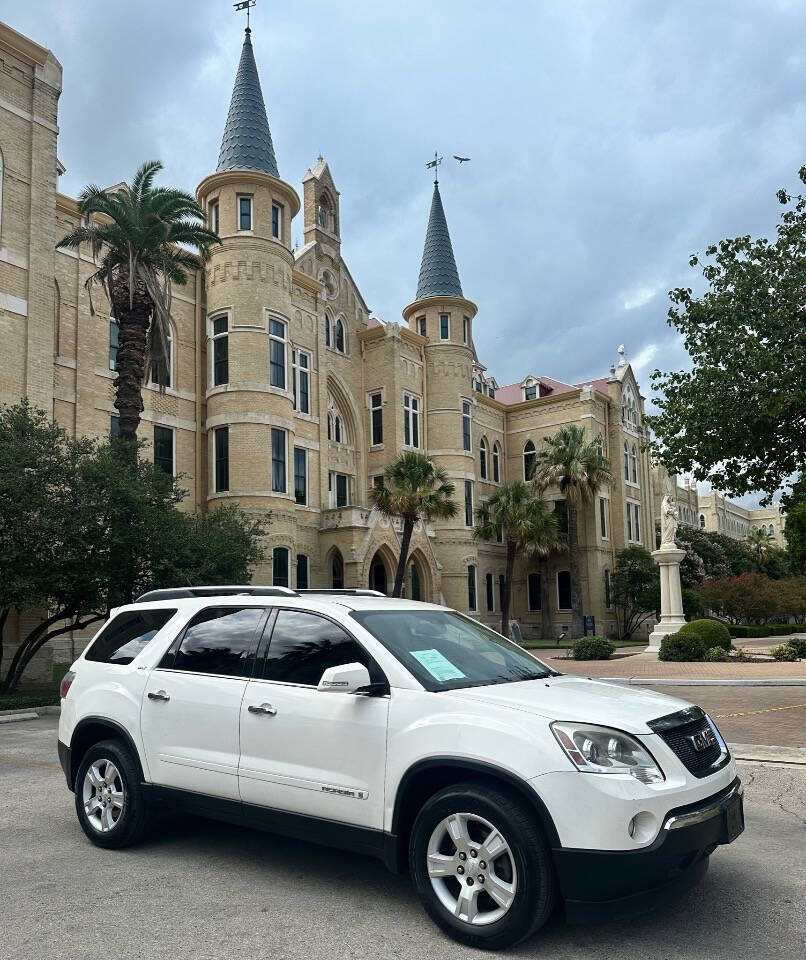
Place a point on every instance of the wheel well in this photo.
(92, 731)
(424, 780)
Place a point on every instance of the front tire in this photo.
(481, 866)
(109, 800)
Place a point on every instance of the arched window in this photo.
(340, 337)
(496, 463)
(416, 589)
(279, 565)
(629, 408)
(626, 462)
(528, 460)
(323, 212)
(337, 571)
(634, 464)
(336, 426)
(327, 328)
(338, 432)
(483, 459)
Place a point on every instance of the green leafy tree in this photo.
(413, 489)
(737, 417)
(527, 524)
(711, 555)
(761, 545)
(139, 235)
(795, 531)
(578, 467)
(85, 526)
(636, 589)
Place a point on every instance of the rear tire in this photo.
(488, 905)
(110, 804)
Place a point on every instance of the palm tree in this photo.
(527, 524)
(760, 543)
(578, 467)
(140, 233)
(414, 488)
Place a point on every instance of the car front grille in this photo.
(679, 731)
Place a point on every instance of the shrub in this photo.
(592, 648)
(717, 655)
(745, 631)
(784, 651)
(800, 646)
(682, 647)
(714, 633)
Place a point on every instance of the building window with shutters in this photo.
(279, 482)
(221, 441)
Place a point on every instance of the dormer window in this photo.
(530, 392)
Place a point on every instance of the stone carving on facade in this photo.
(669, 516)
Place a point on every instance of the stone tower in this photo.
(444, 316)
(249, 397)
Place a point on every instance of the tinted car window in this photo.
(304, 645)
(124, 637)
(219, 640)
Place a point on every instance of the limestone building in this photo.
(284, 395)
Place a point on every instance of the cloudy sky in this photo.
(609, 140)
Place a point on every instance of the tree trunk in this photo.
(576, 587)
(34, 642)
(402, 560)
(133, 320)
(14, 668)
(505, 599)
(545, 609)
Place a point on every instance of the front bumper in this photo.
(614, 884)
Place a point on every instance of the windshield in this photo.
(446, 651)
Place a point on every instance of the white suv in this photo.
(403, 730)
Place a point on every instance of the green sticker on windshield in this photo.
(438, 666)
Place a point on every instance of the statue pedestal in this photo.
(671, 595)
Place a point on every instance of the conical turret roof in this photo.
(438, 274)
(246, 144)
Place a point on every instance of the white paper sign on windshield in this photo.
(437, 665)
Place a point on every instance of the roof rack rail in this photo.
(183, 593)
(342, 592)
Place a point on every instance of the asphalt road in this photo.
(201, 890)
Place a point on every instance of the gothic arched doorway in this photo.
(337, 570)
(378, 575)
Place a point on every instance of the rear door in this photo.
(192, 700)
(319, 754)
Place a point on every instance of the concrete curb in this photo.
(701, 682)
(29, 713)
(764, 753)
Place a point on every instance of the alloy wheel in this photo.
(103, 794)
(471, 868)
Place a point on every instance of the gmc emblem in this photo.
(702, 740)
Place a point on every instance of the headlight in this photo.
(602, 750)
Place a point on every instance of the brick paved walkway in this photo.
(624, 663)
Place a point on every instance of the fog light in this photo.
(642, 827)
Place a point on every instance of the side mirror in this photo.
(348, 678)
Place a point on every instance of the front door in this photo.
(192, 701)
(319, 754)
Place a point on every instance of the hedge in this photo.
(745, 631)
(711, 632)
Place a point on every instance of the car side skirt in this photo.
(330, 833)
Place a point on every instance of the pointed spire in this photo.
(438, 274)
(246, 144)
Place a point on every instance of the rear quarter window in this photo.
(126, 635)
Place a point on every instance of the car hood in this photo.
(579, 699)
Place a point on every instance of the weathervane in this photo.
(245, 5)
(434, 164)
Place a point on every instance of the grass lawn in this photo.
(35, 695)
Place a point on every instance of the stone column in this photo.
(671, 595)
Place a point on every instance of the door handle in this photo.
(158, 695)
(265, 708)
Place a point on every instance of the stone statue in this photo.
(668, 520)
